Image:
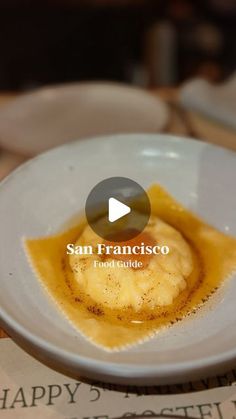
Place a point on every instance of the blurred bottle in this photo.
(160, 54)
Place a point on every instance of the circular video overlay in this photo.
(117, 209)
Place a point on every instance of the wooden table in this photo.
(180, 123)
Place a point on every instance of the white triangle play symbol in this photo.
(116, 210)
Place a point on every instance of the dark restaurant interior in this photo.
(147, 43)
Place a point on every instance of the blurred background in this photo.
(144, 42)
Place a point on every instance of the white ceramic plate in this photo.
(41, 195)
(51, 116)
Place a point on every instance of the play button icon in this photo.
(117, 209)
